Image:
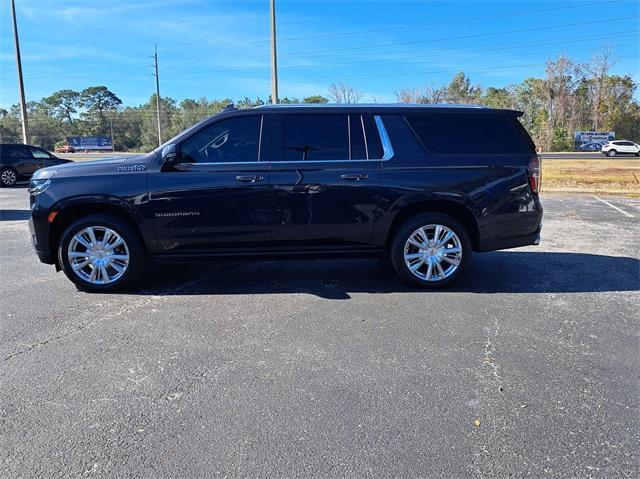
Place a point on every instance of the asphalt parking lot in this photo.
(527, 368)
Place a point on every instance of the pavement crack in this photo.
(126, 308)
(77, 328)
(489, 350)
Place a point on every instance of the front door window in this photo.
(235, 140)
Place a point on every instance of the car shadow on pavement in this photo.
(495, 272)
(14, 215)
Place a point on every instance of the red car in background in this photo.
(65, 149)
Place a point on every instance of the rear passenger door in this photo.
(325, 177)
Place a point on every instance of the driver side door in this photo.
(216, 197)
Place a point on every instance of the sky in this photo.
(220, 48)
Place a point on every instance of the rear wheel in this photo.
(431, 250)
(612, 153)
(8, 177)
(101, 253)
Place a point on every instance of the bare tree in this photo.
(598, 70)
(342, 93)
(408, 95)
(560, 85)
(432, 94)
(427, 94)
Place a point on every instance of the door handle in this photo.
(354, 176)
(249, 178)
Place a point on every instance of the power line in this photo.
(150, 111)
(497, 67)
(447, 22)
(562, 41)
(396, 59)
(384, 61)
(410, 27)
(460, 37)
(572, 38)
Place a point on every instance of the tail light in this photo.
(535, 173)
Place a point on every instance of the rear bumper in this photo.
(513, 230)
(512, 242)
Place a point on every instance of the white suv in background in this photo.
(614, 148)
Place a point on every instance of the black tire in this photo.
(8, 177)
(137, 254)
(410, 226)
(611, 153)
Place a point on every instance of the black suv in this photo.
(426, 185)
(19, 162)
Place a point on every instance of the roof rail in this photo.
(374, 105)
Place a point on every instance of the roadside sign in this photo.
(592, 140)
(97, 142)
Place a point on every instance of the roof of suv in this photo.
(389, 107)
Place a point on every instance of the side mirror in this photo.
(169, 157)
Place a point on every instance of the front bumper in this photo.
(39, 228)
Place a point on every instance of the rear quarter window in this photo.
(470, 134)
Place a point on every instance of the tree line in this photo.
(570, 97)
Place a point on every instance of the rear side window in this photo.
(471, 134)
(16, 151)
(316, 137)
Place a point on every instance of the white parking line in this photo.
(614, 207)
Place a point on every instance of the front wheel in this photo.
(431, 250)
(101, 253)
(8, 177)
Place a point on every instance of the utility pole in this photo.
(155, 65)
(23, 103)
(111, 125)
(274, 60)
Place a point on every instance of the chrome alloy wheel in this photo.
(98, 255)
(8, 177)
(433, 253)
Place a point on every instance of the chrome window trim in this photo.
(349, 134)
(260, 138)
(279, 162)
(364, 133)
(387, 148)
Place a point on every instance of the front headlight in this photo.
(39, 185)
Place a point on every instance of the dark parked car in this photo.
(426, 185)
(19, 162)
